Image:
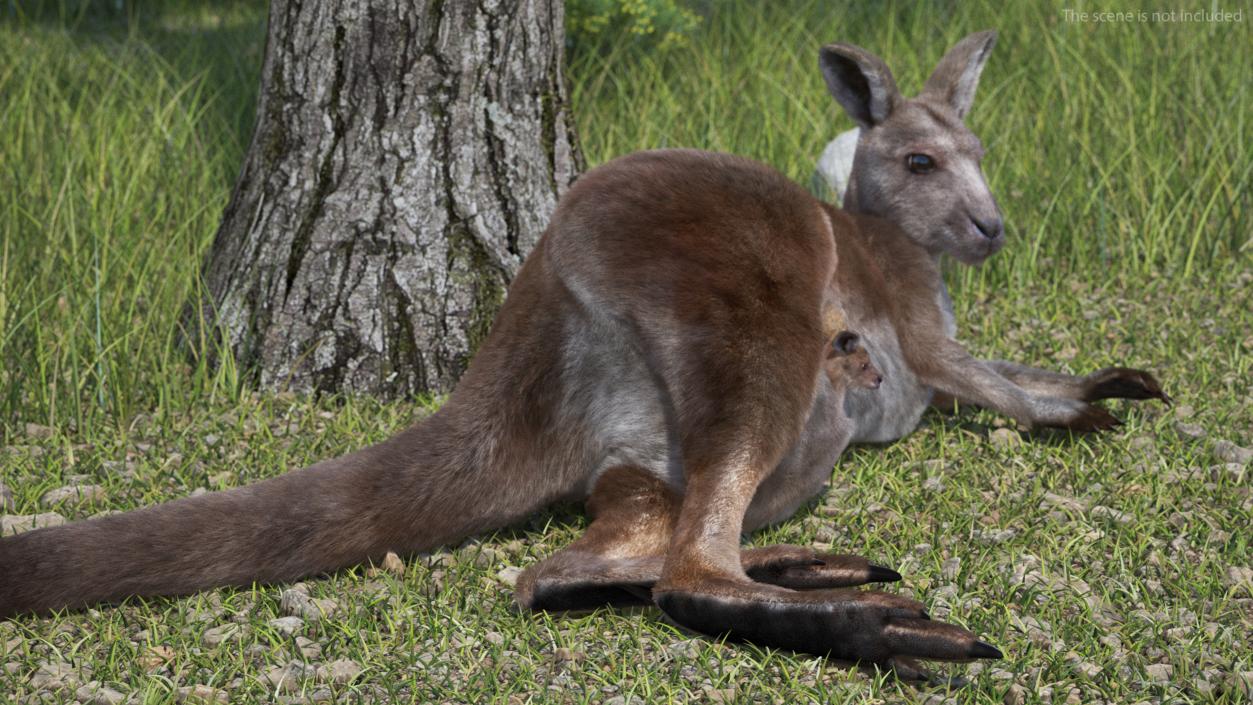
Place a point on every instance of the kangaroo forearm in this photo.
(952, 371)
(1038, 381)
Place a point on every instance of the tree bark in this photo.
(406, 158)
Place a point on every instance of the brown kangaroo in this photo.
(660, 353)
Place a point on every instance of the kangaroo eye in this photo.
(920, 163)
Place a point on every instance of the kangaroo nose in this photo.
(990, 228)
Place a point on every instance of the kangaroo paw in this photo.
(575, 581)
(1086, 418)
(1122, 383)
(849, 625)
(801, 568)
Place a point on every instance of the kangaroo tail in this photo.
(405, 494)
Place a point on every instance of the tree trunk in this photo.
(405, 160)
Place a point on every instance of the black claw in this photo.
(982, 649)
(879, 574)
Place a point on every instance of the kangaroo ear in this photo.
(846, 342)
(860, 82)
(957, 75)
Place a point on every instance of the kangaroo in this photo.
(849, 365)
(661, 354)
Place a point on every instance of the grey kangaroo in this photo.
(663, 354)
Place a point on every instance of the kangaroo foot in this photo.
(849, 625)
(576, 580)
(801, 568)
(1122, 383)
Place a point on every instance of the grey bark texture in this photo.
(406, 158)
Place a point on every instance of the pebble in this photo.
(1111, 514)
(951, 568)
(1087, 669)
(287, 678)
(1239, 575)
(1231, 453)
(495, 638)
(509, 575)
(287, 626)
(218, 635)
(1016, 695)
(93, 693)
(296, 602)
(72, 493)
(1005, 438)
(54, 675)
(563, 655)
(340, 672)
(17, 523)
(931, 484)
(308, 648)
(6, 499)
(201, 695)
(391, 563)
(1190, 431)
(1063, 502)
(156, 657)
(39, 431)
(1159, 672)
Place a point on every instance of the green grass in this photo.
(1121, 154)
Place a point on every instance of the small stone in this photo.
(296, 602)
(1110, 514)
(1016, 695)
(72, 493)
(201, 695)
(1231, 453)
(509, 575)
(218, 635)
(564, 655)
(287, 678)
(93, 693)
(54, 675)
(11, 524)
(1063, 502)
(722, 695)
(340, 672)
(308, 648)
(1184, 411)
(932, 484)
(38, 431)
(1159, 672)
(1087, 669)
(391, 563)
(495, 638)
(287, 626)
(1241, 682)
(1238, 576)
(1005, 438)
(951, 568)
(6, 499)
(1190, 431)
(156, 657)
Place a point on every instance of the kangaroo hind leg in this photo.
(619, 557)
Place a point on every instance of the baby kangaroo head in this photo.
(916, 163)
(849, 363)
